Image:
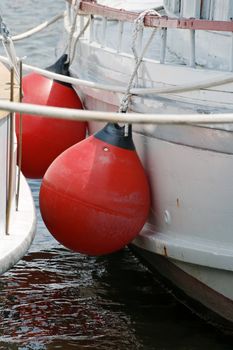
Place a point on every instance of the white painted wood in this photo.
(132, 5)
(118, 68)
(22, 230)
(211, 9)
(230, 14)
(231, 56)
(139, 44)
(222, 9)
(191, 8)
(119, 36)
(206, 5)
(163, 45)
(91, 30)
(104, 28)
(21, 223)
(212, 49)
(174, 7)
(192, 59)
(3, 164)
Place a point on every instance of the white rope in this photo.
(76, 40)
(38, 28)
(222, 80)
(9, 47)
(75, 4)
(138, 27)
(79, 115)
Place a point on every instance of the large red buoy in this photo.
(43, 139)
(94, 197)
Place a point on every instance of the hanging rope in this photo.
(75, 5)
(138, 27)
(73, 39)
(76, 40)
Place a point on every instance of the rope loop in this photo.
(125, 103)
(138, 27)
(141, 18)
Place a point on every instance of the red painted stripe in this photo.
(91, 7)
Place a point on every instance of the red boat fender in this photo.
(43, 139)
(95, 196)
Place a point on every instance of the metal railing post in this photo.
(163, 46)
(192, 58)
(11, 157)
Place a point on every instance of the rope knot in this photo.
(4, 30)
(125, 103)
(76, 4)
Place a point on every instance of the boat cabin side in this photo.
(202, 38)
(212, 49)
(213, 10)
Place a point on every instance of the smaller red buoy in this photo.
(43, 139)
(94, 197)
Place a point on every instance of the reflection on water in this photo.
(56, 299)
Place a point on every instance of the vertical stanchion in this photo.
(163, 46)
(19, 149)
(104, 31)
(231, 55)
(192, 58)
(11, 157)
(120, 35)
(91, 34)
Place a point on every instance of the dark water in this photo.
(56, 299)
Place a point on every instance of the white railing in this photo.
(137, 118)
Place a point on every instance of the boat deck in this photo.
(5, 87)
(21, 231)
(16, 235)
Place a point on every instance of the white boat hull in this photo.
(188, 237)
(190, 290)
(191, 219)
